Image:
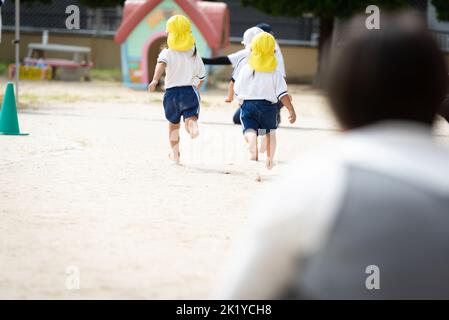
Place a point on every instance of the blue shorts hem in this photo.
(259, 115)
(181, 102)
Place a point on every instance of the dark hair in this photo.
(195, 51)
(265, 27)
(397, 72)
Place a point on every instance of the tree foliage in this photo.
(442, 7)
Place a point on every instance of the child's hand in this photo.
(229, 99)
(198, 86)
(292, 116)
(152, 86)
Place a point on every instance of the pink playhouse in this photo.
(141, 34)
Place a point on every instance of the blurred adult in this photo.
(365, 217)
(444, 111)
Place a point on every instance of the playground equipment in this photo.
(64, 69)
(142, 33)
(31, 72)
(9, 122)
(69, 63)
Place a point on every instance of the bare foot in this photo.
(192, 129)
(251, 139)
(174, 158)
(269, 164)
(252, 156)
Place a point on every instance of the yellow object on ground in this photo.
(31, 72)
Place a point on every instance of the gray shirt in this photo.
(366, 217)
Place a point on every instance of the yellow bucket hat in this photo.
(179, 34)
(262, 57)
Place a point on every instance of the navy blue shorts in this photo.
(181, 102)
(259, 115)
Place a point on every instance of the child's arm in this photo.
(286, 100)
(198, 86)
(217, 61)
(158, 71)
(230, 96)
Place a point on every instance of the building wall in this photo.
(105, 52)
(300, 62)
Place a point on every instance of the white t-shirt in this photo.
(237, 57)
(183, 69)
(238, 67)
(251, 85)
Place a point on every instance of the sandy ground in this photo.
(92, 188)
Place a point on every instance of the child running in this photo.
(185, 73)
(241, 57)
(258, 87)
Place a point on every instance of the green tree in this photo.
(442, 7)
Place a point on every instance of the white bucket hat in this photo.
(249, 35)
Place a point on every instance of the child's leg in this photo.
(236, 116)
(271, 148)
(173, 136)
(191, 125)
(263, 144)
(251, 139)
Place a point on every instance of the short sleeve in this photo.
(237, 84)
(236, 56)
(163, 56)
(200, 70)
(238, 68)
(239, 88)
(280, 85)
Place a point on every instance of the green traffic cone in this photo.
(9, 123)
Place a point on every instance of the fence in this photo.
(288, 30)
(37, 17)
